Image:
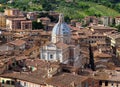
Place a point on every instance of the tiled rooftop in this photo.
(17, 42)
(66, 80)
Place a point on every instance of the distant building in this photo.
(12, 12)
(6, 37)
(78, 25)
(17, 44)
(117, 20)
(106, 21)
(32, 16)
(2, 20)
(90, 19)
(18, 23)
(14, 23)
(102, 29)
(73, 22)
(114, 38)
(44, 20)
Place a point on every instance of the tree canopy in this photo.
(37, 25)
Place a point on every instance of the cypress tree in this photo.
(91, 59)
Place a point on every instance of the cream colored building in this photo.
(12, 12)
(2, 21)
(7, 82)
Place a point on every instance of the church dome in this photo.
(61, 31)
(61, 28)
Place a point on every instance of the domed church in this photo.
(61, 31)
(60, 48)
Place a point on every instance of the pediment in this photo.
(51, 45)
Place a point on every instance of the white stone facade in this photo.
(50, 52)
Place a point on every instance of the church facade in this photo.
(60, 48)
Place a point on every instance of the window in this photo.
(8, 82)
(92, 83)
(13, 64)
(26, 26)
(117, 85)
(19, 82)
(12, 83)
(100, 82)
(3, 81)
(24, 83)
(51, 56)
(106, 83)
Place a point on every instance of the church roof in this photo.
(62, 45)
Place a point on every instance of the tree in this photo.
(3, 1)
(91, 59)
(67, 19)
(117, 7)
(2, 9)
(37, 25)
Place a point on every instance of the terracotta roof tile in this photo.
(17, 42)
(66, 80)
(62, 45)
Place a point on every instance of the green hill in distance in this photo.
(74, 9)
(83, 9)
